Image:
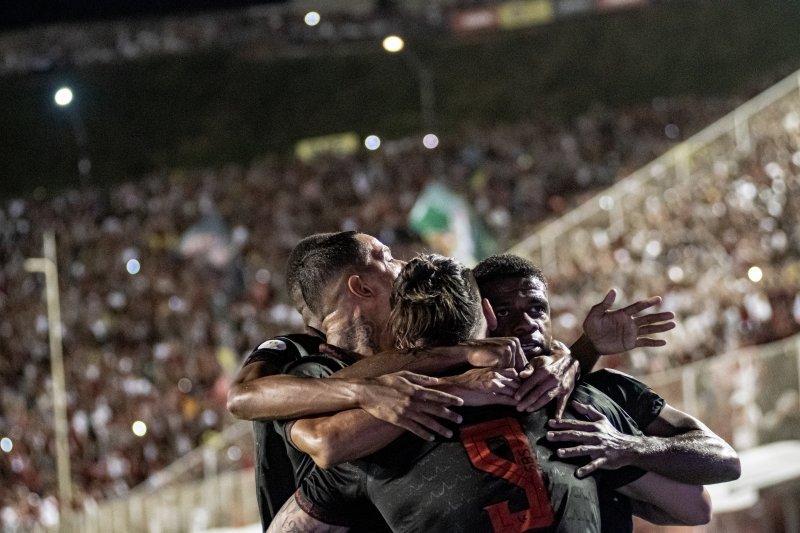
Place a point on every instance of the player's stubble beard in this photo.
(361, 336)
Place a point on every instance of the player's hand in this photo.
(483, 386)
(619, 331)
(497, 352)
(405, 400)
(548, 377)
(607, 447)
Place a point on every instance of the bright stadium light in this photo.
(6, 445)
(133, 266)
(755, 274)
(372, 142)
(430, 141)
(312, 18)
(139, 428)
(393, 44)
(63, 96)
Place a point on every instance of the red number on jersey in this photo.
(522, 472)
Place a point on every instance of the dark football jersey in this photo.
(498, 475)
(366, 518)
(637, 399)
(312, 366)
(275, 481)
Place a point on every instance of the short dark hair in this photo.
(435, 302)
(316, 261)
(503, 266)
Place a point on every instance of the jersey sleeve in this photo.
(276, 352)
(312, 366)
(334, 495)
(634, 397)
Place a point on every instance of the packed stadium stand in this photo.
(167, 281)
(711, 226)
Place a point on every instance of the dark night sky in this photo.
(28, 13)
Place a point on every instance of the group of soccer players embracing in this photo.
(427, 396)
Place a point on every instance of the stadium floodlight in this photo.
(312, 18)
(133, 266)
(63, 96)
(139, 428)
(393, 44)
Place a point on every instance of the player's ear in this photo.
(359, 286)
(488, 312)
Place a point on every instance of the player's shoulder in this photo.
(610, 376)
(318, 365)
(613, 372)
(303, 343)
(285, 348)
(619, 386)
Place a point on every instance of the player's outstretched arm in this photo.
(349, 435)
(406, 403)
(608, 332)
(663, 501)
(255, 396)
(675, 445)
(259, 392)
(293, 519)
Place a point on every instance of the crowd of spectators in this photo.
(716, 235)
(166, 283)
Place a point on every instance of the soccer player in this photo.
(673, 444)
(504, 482)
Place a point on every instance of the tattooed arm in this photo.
(293, 519)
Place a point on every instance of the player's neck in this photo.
(352, 331)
